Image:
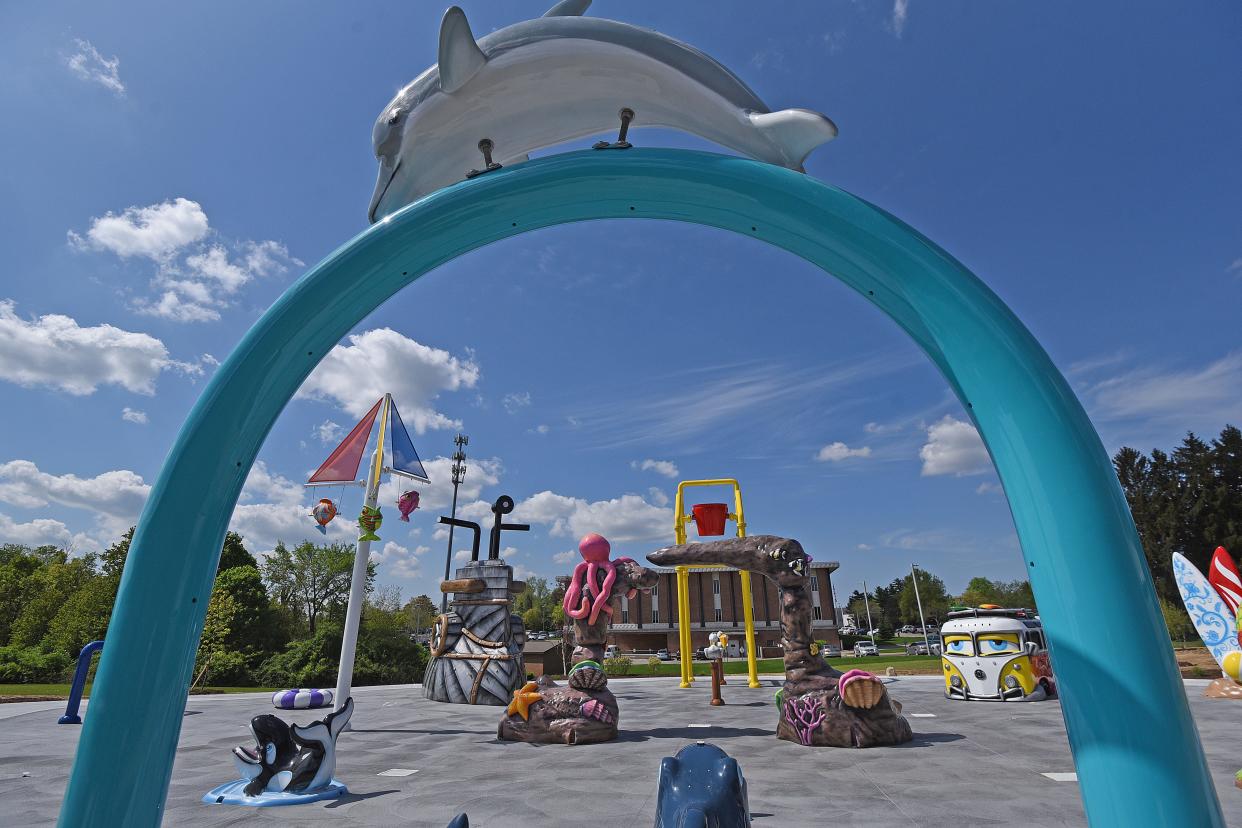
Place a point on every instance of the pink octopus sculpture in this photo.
(586, 595)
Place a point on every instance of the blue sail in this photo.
(404, 458)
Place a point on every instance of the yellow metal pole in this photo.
(683, 628)
(752, 665)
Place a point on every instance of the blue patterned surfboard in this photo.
(1212, 619)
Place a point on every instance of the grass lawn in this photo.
(924, 665)
(61, 691)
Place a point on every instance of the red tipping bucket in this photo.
(710, 518)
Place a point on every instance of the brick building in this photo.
(647, 623)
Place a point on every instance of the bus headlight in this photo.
(1011, 682)
(955, 680)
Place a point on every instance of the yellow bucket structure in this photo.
(680, 520)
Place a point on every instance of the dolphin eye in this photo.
(395, 116)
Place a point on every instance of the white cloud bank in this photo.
(89, 65)
(55, 351)
(196, 275)
(838, 451)
(355, 375)
(665, 467)
(114, 498)
(627, 518)
(954, 447)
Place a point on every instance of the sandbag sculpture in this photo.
(585, 711)
(476, 649)
(818, 705)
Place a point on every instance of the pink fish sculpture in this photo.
(323, 512)
(407, 503)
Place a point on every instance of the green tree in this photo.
(978, 592)
(1176, 620)
(234, 553)
(533, 618)
(421, 611)
(313, 579)
(213, 642)
(931, 592)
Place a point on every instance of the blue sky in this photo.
(171, 169)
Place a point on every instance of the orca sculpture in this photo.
(702, 785)
(291, 758)
(559, 77)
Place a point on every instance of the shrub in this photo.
(26, 665)
(654, 664)
(617, 665)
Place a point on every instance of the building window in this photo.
(655, 592)
(715, 585)
(814, 583)
(817, 613)
(655, 614)
(719, 616)
(625, 616)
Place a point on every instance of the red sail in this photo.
(342, 465)
(1224, 577)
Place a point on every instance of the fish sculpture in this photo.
(563, 76)
(290, 758)
(323, 512)
(407, 503)
(369, 521)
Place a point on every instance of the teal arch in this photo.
(1135, 746)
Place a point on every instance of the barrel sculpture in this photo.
(476, 648)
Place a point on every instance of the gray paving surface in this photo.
(971, 764)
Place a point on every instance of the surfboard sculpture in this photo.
(1216, 625)
(559, 77)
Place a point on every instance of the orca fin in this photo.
(568, 8)
(279, 781)
(460, 57)
(337, 719)
(795, 131)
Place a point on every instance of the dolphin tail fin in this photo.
(338, 719)
(460, 57)
(568, 8)
(795, 132)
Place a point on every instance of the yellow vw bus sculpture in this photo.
(995, 654)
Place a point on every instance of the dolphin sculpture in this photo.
(291, 757)
(559, 77)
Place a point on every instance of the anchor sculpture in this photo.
(476, 647)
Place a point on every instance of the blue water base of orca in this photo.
(233, 793)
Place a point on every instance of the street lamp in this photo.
(914, 578)
(459, 472)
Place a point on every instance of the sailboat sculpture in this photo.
(341, 467)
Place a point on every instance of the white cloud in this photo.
(156, 232)
(1235, 267)
(988, 487)
(398, 561)
(665, 467)
(657, 496)
(115, 497)
(954, 447)
(354, 376)
(901, 10)
(864, 547)
(39, 532)
(542, 428)
(836, 452)
(1212, 393)
(565, 557)
(133, 415)
(515, 401)
(195, 276)
(834, 40)
(89, 65)
(54, 351)
(329, 432)
(621, 519)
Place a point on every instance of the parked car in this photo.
(920, 648)
(848, 631)
(612, 651)
(663, 655)
(699, 654)
(830, 651)
(865, 648)
(908, 629)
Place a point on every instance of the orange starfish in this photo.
(523, 699)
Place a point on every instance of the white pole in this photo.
(870, 629)
(358, 582)
(914, 578)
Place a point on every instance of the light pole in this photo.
(914, 578)
(870, 629)
(459, 472)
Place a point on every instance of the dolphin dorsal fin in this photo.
(460, 57)
(795, 131)
(568, 8)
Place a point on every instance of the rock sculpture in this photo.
(585, 711)
(818, 705)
